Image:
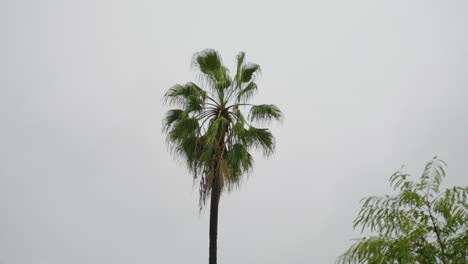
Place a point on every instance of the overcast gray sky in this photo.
(85, 175)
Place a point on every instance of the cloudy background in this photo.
(85, 175)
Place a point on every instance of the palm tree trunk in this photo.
(215, 195)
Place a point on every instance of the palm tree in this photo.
(211, 134)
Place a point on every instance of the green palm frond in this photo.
(195, 104)
(265, 113)
(238, 131)
(172, 116)
(179, 94)
(249, 71)
(208, 61)
(240, 61)
(238, 115)
(247, 93)
(182, 129)
(239, 161)
(210, 64)
(216, 126)
(260, 139)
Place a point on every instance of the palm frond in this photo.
(172, 116)
(180, 94)
(265, 113)
(182, 129)
(249, 71)
(213, 132)
(247, 92)
(209, 63)
(260, 139)
(182, 137)
(238, 129)
(195, 104)
(240, 161)
(240, 61)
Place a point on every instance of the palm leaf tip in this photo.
(240, 61)
(240, 58)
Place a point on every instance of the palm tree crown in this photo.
(209, 130)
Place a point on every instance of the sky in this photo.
(86, 176)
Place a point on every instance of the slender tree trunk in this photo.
(215, 195)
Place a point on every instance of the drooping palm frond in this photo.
(172, 116)
(260, 139)
(249, 71)
(182, 136)
(239, 162)
(265, 113)
(180, 94)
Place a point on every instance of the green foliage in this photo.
(246, 94)
(210, 65)
(259, 138)
(420, 224)
(248, 72)
(181, 94)
(265, 113)
(208, 129)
